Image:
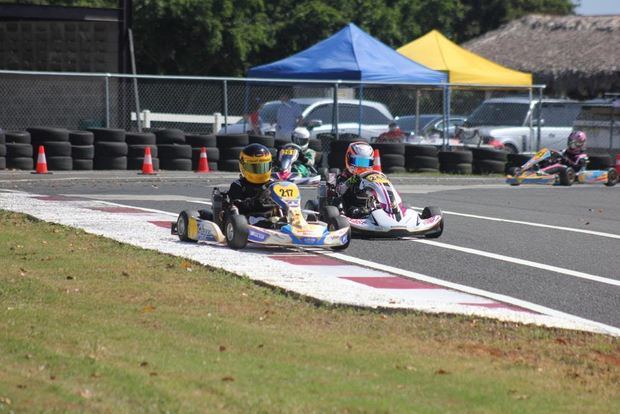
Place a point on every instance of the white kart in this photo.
(384, 214)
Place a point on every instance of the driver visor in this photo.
(574, 144)
(257, 167)
(360, 161)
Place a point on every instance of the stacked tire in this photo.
(488, 161)
(82, 150)
(337, 150)
(421, 158)
(110, 149)
(197, 142)
(455, 162)
(57, 147)
(137, 142)
(174, 153)
(392, 157)
(230, 147)
(17, 148)
(2, 151)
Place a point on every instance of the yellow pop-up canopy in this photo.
(436, 51)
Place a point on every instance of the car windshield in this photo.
(407, 123)
(499, 113)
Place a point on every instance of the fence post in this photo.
(531, 138)
(225, 108)
(107, 100)
(217, 121)
(538, 133)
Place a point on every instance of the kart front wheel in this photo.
(429, 212)
(612, 177)
(567, 176)
(330, 212)
(236, 231)
(337, 223)
(183, 224)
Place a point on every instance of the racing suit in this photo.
(577, 161)
(307, 158)
(354, 200)
(252, 200)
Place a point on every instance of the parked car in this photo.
(317, 113)
(507, 120)
(430, 125)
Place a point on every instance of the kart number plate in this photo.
(286, 192)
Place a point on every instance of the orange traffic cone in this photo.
(203, 162)
(41, 162)
(147, 164)
(376, 164)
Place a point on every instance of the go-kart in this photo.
(286, 224)
(383, 215)
(290, 169)
(548, 167)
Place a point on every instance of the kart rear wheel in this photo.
(429, 212)
(567, 176)
(237, 231)
(183, 224)
(337, 223)
(612, 177)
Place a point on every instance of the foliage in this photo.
(211, 37)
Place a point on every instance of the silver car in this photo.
(508, 121)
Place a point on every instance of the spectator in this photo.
(288, 117)
(255, 121)
(394, 134)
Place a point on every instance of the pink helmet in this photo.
(576, 142)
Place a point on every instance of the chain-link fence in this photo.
(211, 105)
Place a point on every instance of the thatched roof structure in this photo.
(576, 56)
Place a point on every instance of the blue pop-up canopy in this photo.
(350, 54)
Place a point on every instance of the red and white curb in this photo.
(329, 277)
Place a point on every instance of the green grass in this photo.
(92, 325)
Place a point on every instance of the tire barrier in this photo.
(18, 137)
(137, 142)
(233, 140)
(173, 151)
(488, 161)
(213, 156)
(110, 149)
(455, 162)
(230, 147)
(199, 141)
(108, 134)
(392, 157)
(169, 136)
(265, 140)
(82, 150)
(421, 158)
(81, 138)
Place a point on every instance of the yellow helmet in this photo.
(255, 163)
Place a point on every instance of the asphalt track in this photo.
(571, 265)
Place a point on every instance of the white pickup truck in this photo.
(318, 112)
(514, 122)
